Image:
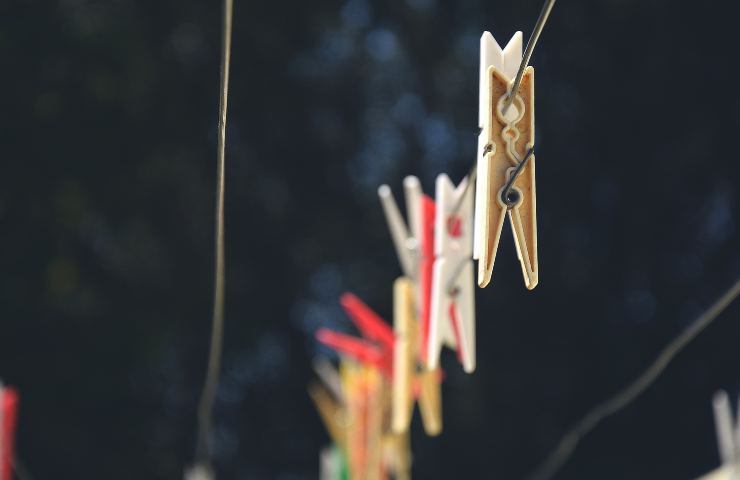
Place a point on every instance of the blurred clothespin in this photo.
(366, 406)
(405, 237)
(452, 318)
(332, 412)
(332, 464)
(505, 164)
(8, 419)
(199, 472)
(728, 439)
(377, 350)
(408, 382)
(414, 244)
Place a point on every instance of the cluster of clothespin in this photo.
(8, 417)
(367, 403)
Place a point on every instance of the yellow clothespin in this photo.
(397, 455)
(363, 387)
(506, 165)
(332, 413)
(406, 374)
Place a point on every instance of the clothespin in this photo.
(397, 456)
(414, 244)
(377, 350)
(728, 439)
(332, 413)
(8, 419)
(408, 382)
(332, 464)
(452, 317)
(505, 164)
(365, 410)
(199, 472)
(405, 237)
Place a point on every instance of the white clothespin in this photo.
(199, 472)
(330, 463)
(405, 238)
(728, 438)
(452, 318)
(505, 165)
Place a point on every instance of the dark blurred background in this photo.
(107, 139)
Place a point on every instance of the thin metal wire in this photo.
(569, 441)
(205, 407)
(544, 13)
(510, 183)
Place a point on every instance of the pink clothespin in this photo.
(452, 306)
(377, 347)
(8, 417)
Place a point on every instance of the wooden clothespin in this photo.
(452, 310)
(8, 418)
(332, 412)
(506, 165)
(366, 402)
(409, 382)
(728, 439)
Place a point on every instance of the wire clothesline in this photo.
(568, 443)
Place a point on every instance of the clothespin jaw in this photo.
(426, 270)
(332, 464)
(377, 350)
(405, 237)
(8, 418)
(430, 400)
(404, 358)
(505, 139)
(364, 394)
(332, 413)
(199, 471)
(452, 319)
(409, 383)
(728, 430)
(367, 321)
(360, 350)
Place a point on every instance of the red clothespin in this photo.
(8, 417)
(367, 321)
(377, 347)
(428, 213)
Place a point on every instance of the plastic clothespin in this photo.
(405, 237)
(506, 140)
(414, 244)
(728, 438)
(376, 350)
(426, 248)
(8, 419)
(332, 464)
(199, 472)
(408, 383)
(452, 318)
